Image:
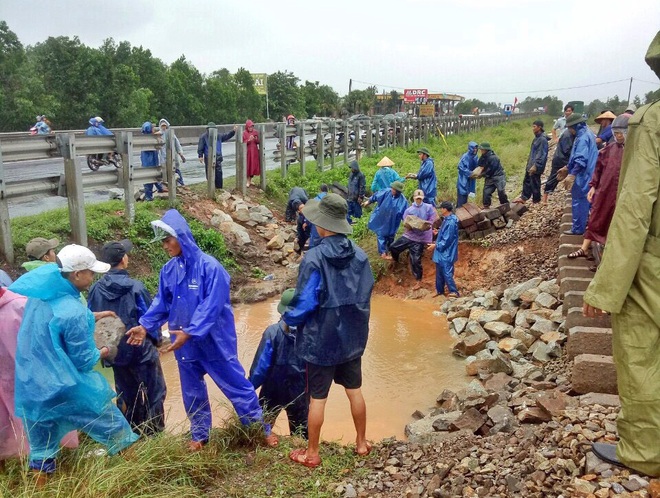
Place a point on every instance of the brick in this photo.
(499, 223)
(564, 261)
(570, 239)
(492, 213)
(594, 373)
(489, 231)
(504, 208)
(470, 229)
(473, 209)
(511, 215)
(572, 299)
(484, 225)
(589, 340)
(519, 209)
(573, 284)
(575, 271)
(574, 318)
(479, 234)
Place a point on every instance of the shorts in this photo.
(319, 378)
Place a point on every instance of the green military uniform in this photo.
(627, 285)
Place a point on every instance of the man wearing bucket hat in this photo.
(426, 176)
(626, 285)
(580, 168)
(281, 373)
(331, 308)
(203, 151)
(604, 135)
(384, 176)
(493, 172)
(386, 218)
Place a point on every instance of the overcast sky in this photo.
(491, 50)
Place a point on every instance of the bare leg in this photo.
(314, 423)
(586, 243)
(359, 413)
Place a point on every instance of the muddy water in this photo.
(407, 363)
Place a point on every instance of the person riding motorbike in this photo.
(96, 128)
(41, 127)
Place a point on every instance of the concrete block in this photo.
(589, 340)
(471, 228)
(511, 215)
(594, 373)
(493, 213)
(566, 249)
(572, 299)
(489, 231)
(466, 222)
(484, 225)
(519, 209)
(573, 284)
(582, 262)
(504, 208)
(566, 226)
(574, 318)
(476, 235)
(575, 271)
(567, 218)
(499, 223)
(570, 239)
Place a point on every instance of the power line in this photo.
(656, 83)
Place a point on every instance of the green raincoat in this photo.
(627, 285)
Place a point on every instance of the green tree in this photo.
(361, 101)
(221, 98)
(320, 100)
(285, 96)
(185, 93)
(652, 96)
(248, 102)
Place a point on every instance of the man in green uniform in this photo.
(626, 285)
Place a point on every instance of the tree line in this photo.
(70, 82)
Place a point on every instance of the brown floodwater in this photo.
(406, 365)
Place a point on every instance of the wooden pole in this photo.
(5, 225)
(210, 167)
(125, 148)
(262, 157)
(74, 188)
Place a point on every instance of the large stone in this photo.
(509, 344)
(526, 370)
(493, 316)
(461, 313)
(533, 415)
(542, 326)
(471, 420)
(601, 399)
(258, 218)
(594, 373)
(550, 287)
(263, 210)
(242, 214)
(541, 352)
(499, 382)
(220, 217)
(108, 332)
(555, 402)
(514, 292)
(583, 488)
(589, 340)
(553, 336)
(471, 344)
(530, 295)
(416, 223)
(546, 300)
(241, 234)
(523, 336)
(459, 324)
(498, 329)
(276, 242)
(485, 361)
(503, 419)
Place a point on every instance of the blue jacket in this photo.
(538, 154)
(42, 128)
(387, 216)
(56, 353)
(98, 129)
(606, 134)
(583, 160)
(384, 178)
(332, 302)
(276, 368)
(314, 237)
(129, 299)
(427, 180)
(203, 144)
(357, 184)
(466, 185)
(446, 245)
(193, 296)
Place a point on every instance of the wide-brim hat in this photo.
(329, 213)
(423, 150)
(385, 161)
(210, 124)
(485, 146)
(286, 298)
(574, 119)
(606, 115)
(397, 185)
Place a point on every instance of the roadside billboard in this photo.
(427, 110)
(260, 83)
(415, 95)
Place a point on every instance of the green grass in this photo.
(105, 222)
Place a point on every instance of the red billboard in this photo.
(415, 95)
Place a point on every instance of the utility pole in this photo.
(630, 90)
(350, 85)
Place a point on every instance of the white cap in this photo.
(75, 258)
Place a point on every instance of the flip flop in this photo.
(295, 457)
(369, 448)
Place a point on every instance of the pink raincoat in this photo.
(251, 138)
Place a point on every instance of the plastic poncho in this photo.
(193, 296)
(384, 178)
(446, 245)
(387, 216)
(427, 179)
(466, 185)
(32, 264)
(332, 302)
(97, 128)
(583, 160)
(626, 285)
(56, 352)
(42, 128)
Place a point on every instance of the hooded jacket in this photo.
(538, 154)
(427, 179)
(466, 185)
(384, 178)
(129, 299)
(97, 128)
(162, 153)
(491, 165)
(387, 216)
(56, 352)
(446, 245)
(356, 183)
(583, 160)
(332, 302)
(193, 296)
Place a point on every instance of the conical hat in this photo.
(385, 161)
(606, 115)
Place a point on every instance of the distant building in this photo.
(444, 103)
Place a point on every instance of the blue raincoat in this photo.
(387, 216)
(332, 302)
(582, 164)
(384, 178)
(446, 254)
(97, 128)
(466, 185)
(427, 180)
(56, 388)
(193, 296)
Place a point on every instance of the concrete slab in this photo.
(594, 373)
(589, 340)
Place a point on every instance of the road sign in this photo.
(260, 83)
(427, 110)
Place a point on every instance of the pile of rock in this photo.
(476, 223)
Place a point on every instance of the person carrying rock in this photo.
(139, 379)
(415, 239)
(538, 156)
(57, 390)
(281, 373)
(297, 196)
(331, 307)
(626, 285)
(426, 176)
(356, 190)
(466, 186)
(193, 298)
(446, 251)
(384, 176)
(493, 172)
(386, 218)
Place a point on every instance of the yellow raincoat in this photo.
(627, 285)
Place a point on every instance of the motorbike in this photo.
(95, 161)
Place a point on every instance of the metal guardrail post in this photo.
(369, 138)
(402, 133)
(241, 161)
(377, 129)
(74, 188)
(5, 224)
(344, 127)
(262, 157)
(169, 172)
(125, 148)
(210, 166)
